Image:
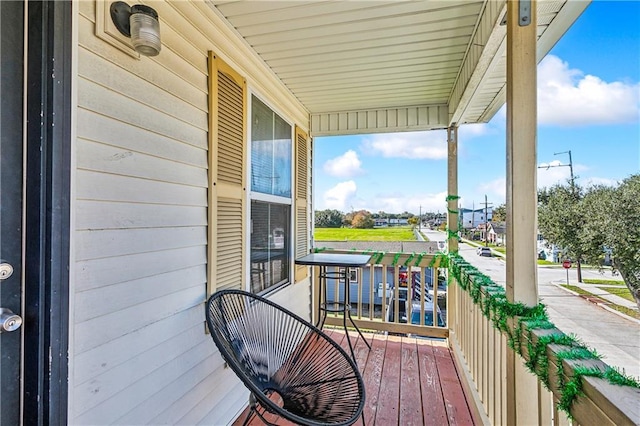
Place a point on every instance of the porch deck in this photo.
(408, 381)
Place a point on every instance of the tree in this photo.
(560, 219)
(362, 219)
(499, 214)
(347, 219)
(413, 221)
(612, 223)
(328, 219)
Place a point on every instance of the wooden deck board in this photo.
(389, 396)
(410, 396)
(407, 381)
(458, 412)
(372, 375)
(433, 407)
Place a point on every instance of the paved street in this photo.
(614, 337)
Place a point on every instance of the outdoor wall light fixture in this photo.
(140, 23)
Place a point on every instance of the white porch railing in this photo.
(481, 348)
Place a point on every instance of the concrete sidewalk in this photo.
(597, 290)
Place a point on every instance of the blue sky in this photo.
(588, 103)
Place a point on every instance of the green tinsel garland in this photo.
(494, 305)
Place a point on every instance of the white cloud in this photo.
(416, 145)
(468, 131)
(340, 197)
(550, 174)
(593, 181)
(345, 166)
(496, 190)
(568, 97)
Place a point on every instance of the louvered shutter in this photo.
(227, 188)
(302, 201)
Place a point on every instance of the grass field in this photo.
(597, 281)
(622, 292)
(377, 234)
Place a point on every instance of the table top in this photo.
(334, 259)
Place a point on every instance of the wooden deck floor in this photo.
(408, 381)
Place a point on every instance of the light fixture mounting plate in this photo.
(120, 13)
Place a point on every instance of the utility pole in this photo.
(573, 192)
(570, 165)
(473, 219)
(573, 187)
(420, 220)
(486, 220)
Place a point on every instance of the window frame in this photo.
(269, 198)
(353, 275)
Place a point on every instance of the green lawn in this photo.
(597, 281)
(622, 292)
(377, 234)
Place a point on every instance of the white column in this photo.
(452, 188)
(522, 401)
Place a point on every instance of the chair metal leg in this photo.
(252, 411)
(253, 403)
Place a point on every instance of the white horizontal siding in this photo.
(139, 352)
(123, 242)
(93, 304)
(98, 361)
(100, 272)
(99, 186)
(145, 386)
(191, 385)
(118, 215)
(109, 159)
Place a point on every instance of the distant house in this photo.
(480, 231)
(398, 222)
(381, 222)
(497, 232)
(472, 218)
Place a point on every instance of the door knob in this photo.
(9, 321)
(6, 270)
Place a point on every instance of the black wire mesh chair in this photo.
(291, 368)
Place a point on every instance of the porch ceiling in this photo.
(374, 66)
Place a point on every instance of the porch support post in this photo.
(452, 219)
(452, 188)
(522, 280)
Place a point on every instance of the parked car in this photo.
(414, 317)
(484, 251)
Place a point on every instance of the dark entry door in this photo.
(11, 201)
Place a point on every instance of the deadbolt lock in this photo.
(6, 270)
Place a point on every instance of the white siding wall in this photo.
(139, 352)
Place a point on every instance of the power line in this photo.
(570, 165)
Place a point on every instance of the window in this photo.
(353, 275)
(270, 151)
(271, 182)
